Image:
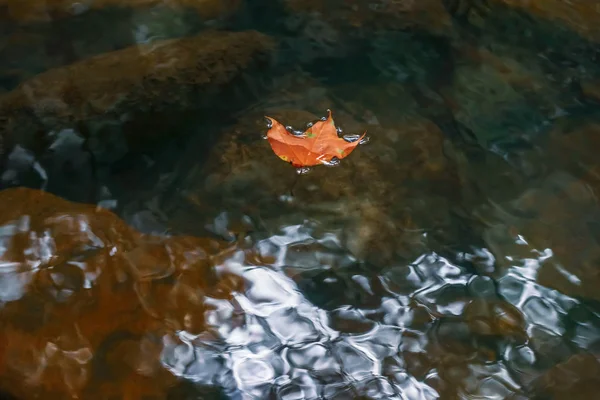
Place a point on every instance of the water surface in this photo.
(152, 246)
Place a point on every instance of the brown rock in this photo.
(591, 89)
(568, 218)
(46, 10)
(558, 218)
(376, 194)
(573, 146)
(578, 378)
(40, 35)
(150, 77)
(495, 318)
(79, 283)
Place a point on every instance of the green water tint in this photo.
(454, 256)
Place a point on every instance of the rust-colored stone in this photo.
(86, 285)
(151, 76)
(578, 378)
(46, 10)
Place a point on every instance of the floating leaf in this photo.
(319, 144)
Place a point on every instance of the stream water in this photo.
(152, 246)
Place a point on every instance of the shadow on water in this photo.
(152, 246)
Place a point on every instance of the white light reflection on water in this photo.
(271, 341)
(284, 345)
(17, 274)
(301, 318)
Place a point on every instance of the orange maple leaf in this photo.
(319, 144)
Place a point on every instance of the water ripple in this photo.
(247, 317)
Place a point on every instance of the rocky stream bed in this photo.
(152, 246)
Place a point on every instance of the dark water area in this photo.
(152, 245)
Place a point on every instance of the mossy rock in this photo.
(180, 74)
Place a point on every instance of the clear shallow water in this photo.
(453, 256)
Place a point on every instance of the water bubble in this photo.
(286, 198)
(264, 136)
(293, 131)
(339, 130)
(269, 122)
(323, 118)
(332, 163)
(351, 138)
(302, 170)
(309, 125)
(364, 140)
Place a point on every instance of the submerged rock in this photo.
(581, 16)
(575, 379)
(374, 200)
(494, 106)
(550, 233)
(37, 36)
(425, 14)
(81, 292)
(46, 10)
(186, 73)
(570, 209)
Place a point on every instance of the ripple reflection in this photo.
(94, 309)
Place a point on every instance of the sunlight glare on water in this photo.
(286, 343)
